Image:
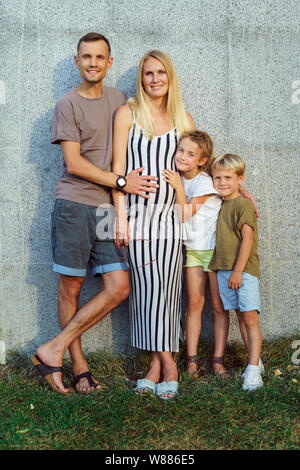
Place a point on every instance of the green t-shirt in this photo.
(233, 215)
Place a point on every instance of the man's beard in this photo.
(91, 79)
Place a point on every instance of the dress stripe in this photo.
(155, 248)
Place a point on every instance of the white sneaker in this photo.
(253, 379)
(260, 366)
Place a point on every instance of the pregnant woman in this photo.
(146, 132)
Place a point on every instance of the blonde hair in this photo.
(229, 161)
(205, 144)
(141, 104)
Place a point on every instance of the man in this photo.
(82, 125)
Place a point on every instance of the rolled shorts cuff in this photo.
(236, 306)
(57, 268)
(246, 299)
(107, 268)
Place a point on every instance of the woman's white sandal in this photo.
(167, 388)
(144, 386)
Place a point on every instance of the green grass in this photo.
(208, 414)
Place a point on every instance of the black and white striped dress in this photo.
(155, 248)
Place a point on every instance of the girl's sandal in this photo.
(194, 360)
(220, 360)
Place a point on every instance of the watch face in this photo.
(121, 181)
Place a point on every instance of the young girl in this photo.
(199, 204)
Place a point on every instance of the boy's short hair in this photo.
(205, 144)
(91, 37)
(229, 161)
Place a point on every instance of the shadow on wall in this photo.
(127, 82)
(47, 160)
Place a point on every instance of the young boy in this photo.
(236, 261)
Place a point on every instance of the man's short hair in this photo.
(91, 37)
(229, 161)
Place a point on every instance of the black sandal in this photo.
(87, 375)
(220, 360)
(46, 372)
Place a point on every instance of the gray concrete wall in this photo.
(238, 64)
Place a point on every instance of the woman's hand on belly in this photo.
(140, 184)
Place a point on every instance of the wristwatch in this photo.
(121, 182)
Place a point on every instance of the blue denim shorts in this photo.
(246, 298)
(75, 244)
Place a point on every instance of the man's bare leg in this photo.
(68, 296)
(116, 288)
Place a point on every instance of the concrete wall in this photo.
(238, 64)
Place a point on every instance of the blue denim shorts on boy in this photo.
(75, 243)
(246, 298)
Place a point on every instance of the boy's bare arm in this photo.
(235, 280)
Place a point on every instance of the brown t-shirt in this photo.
(233, 215)
(90, 122)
